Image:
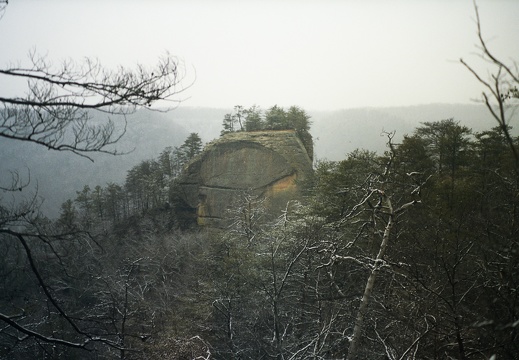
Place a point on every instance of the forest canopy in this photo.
(426, 233)
(408, 254)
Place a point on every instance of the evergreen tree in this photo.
(68, 218)
(276, 118)
(253, 119)
(192, 146)
(298, 119)
(228, 124)
(84, 201)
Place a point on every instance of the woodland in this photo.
(433, 221)
(410, 253)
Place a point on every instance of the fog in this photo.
(321, 55)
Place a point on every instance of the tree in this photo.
(165, 161)
(501, 88)
(192, 146)
(447, 143)
(299, 120)
(253, 119)
(455, 243)
(232, 120)
(115, 201)
(180, 155)
(500, 95)
(239, 114)
(84, 201)
(68, 215)
(264, 296)
(57, 113)
(275, 118)
(228, 124)
(373, 210)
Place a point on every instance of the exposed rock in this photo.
(272, 164)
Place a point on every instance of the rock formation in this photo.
(272, 164)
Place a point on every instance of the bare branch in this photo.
(88, 337)
(501, 84)
(51, 340)
(16, 183)
(487, 52)
(58, 109)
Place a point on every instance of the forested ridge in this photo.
(409, 253)
(432, 222)
(335, 134)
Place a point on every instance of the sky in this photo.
(320, 55)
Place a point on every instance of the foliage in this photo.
(275, 118)
(149, 186)
(412, 254)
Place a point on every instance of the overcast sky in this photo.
(316, 54)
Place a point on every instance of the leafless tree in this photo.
(500, 88)
(60, 101)
(384, 212)
(501, 96)
(71, 106)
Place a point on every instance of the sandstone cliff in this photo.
(272, 164)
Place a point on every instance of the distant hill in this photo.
(58, 175)
(336, 133)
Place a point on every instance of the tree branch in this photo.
(30, 333)
(57, 111)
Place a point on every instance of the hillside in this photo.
(387, 248)
(58, 175)
(336, 133)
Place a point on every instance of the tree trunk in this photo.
(359, 322)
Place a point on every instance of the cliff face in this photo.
(265, 163)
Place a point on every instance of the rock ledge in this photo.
(272, 164)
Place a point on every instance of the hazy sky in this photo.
(315, 54)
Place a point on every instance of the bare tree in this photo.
(501, 95)
(58, 111)
(385, 213)
(501, 87)
(58, 106)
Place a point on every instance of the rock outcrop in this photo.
(272, 164)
